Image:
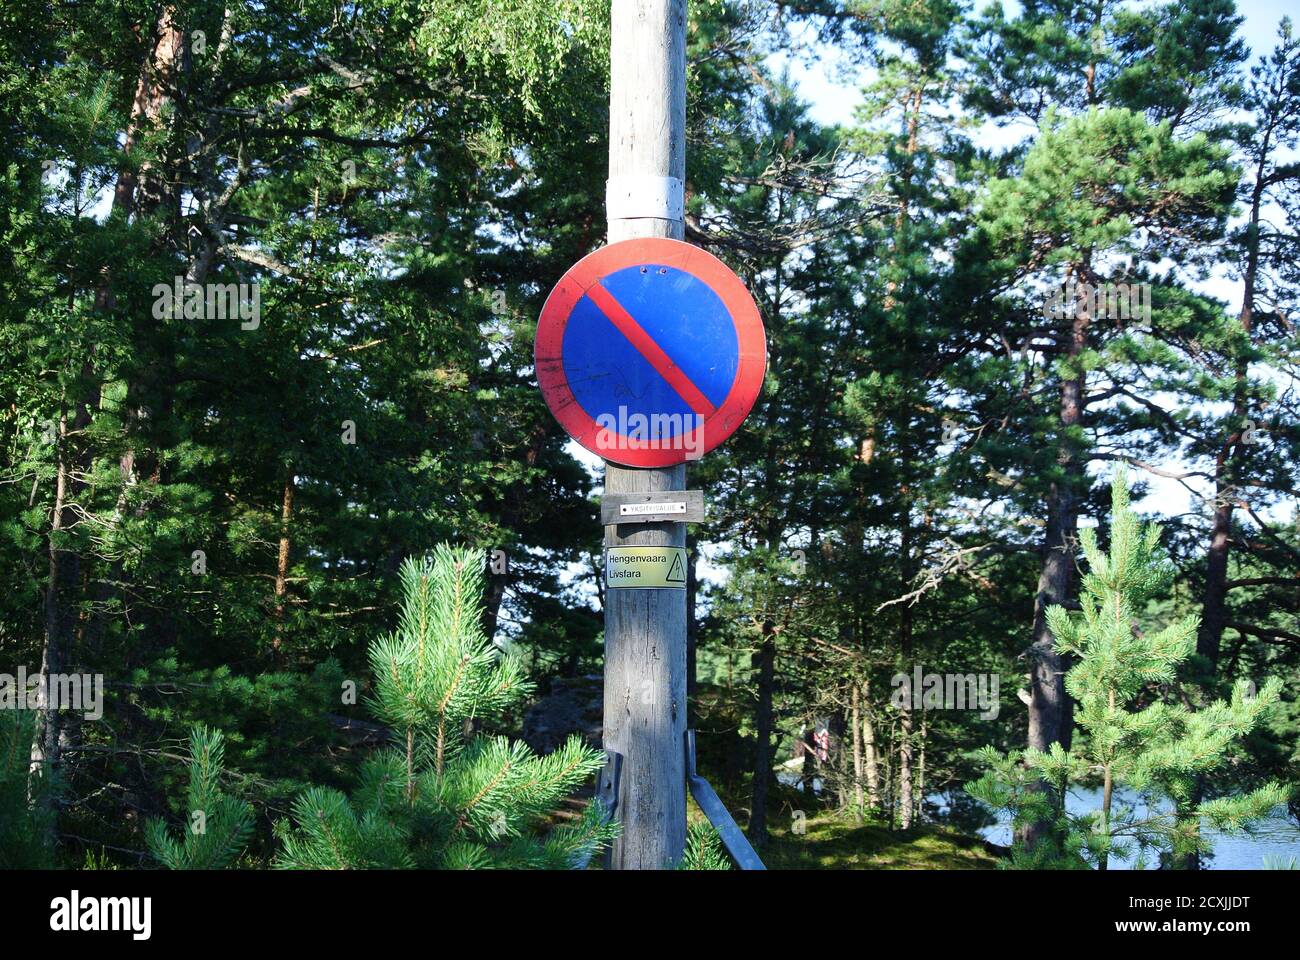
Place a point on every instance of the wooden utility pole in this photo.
(645, 629)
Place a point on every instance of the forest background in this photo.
(209, 507)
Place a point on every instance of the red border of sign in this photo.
(751, 341)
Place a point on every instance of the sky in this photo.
(830, 85)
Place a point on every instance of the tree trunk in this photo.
(141, 191)
(839, 759)
(856, 719)
(64, 577)
(151, 97)
(492, 599)
(869, 750)
(1214, 605)
(1049, 705)
(920, 773)
(891, 775)
(60, 613)
(905, 721)
(282, 558)
(766, 664)
(1107, 791)
(810, 760)
(1187, 857)
(905, 768)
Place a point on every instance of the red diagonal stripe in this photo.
(653, 353)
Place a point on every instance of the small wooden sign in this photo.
(682, 506)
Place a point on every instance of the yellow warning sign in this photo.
(645, 567)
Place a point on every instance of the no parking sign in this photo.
(650, 352)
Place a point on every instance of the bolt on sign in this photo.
(650, 352)
(642, 567)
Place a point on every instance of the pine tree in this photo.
(1253, 469)
(202, 511)
(444, 795)
(1136, 740)
(771, 197)
(703, 849)
(25, 819)
(1114, 185)
(218, 825)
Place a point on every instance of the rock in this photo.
(574, 705)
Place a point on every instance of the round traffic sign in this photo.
(650, 352)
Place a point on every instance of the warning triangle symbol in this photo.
(676, 572)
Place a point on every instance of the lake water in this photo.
(1277, 836)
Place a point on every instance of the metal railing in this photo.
(733, 839)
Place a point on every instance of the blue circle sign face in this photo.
(650, 352)
(679, 313)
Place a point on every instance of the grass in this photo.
(839, 843)
(831, 840)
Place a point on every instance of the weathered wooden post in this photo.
(645, 630)
(650, 352)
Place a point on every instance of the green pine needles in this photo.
(704, 850)
(25, 817)
(1131, 736)
(445, 795)
(217, 825)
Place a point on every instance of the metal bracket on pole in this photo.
(737, 843)
(635, 197)
(607, 786)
